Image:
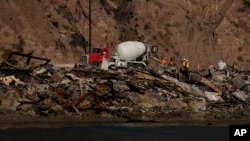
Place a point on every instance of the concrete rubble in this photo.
(148, 94)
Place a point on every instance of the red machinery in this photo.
(95, 57)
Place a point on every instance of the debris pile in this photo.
(132, 94)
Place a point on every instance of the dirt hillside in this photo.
(202, 31)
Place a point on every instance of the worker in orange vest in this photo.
(172, 67)
(163, 61)
(171, 62)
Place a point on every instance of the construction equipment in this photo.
(128, 54)
(93, 58)
(132, 54)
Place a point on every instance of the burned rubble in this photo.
(151, 94)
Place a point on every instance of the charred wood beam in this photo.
(9, 64)
(22, 74)
(152, 72)
(82, 96)
(95, 74)
(29, 56)
(34, 76)
(144, 75)
(195, 77)
(135, 88)
(103, 106)
(66, 102)
(168, 85)
(58, 91)
(184, 88)
(182, 91)
(95, 90)
(211, 85)
(112, 89)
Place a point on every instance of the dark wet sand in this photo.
(17, 121)
(28, 128)
(130, 132)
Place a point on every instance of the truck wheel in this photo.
(154, 49)
(139, 66)
(130, 65)
(95, 64)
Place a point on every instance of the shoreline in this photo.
(15, 121)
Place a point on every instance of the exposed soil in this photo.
(202, 31)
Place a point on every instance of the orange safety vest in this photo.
(163, 61)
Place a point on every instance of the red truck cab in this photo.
(95, 57)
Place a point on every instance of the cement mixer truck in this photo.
(132, 54)
(129, 54)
